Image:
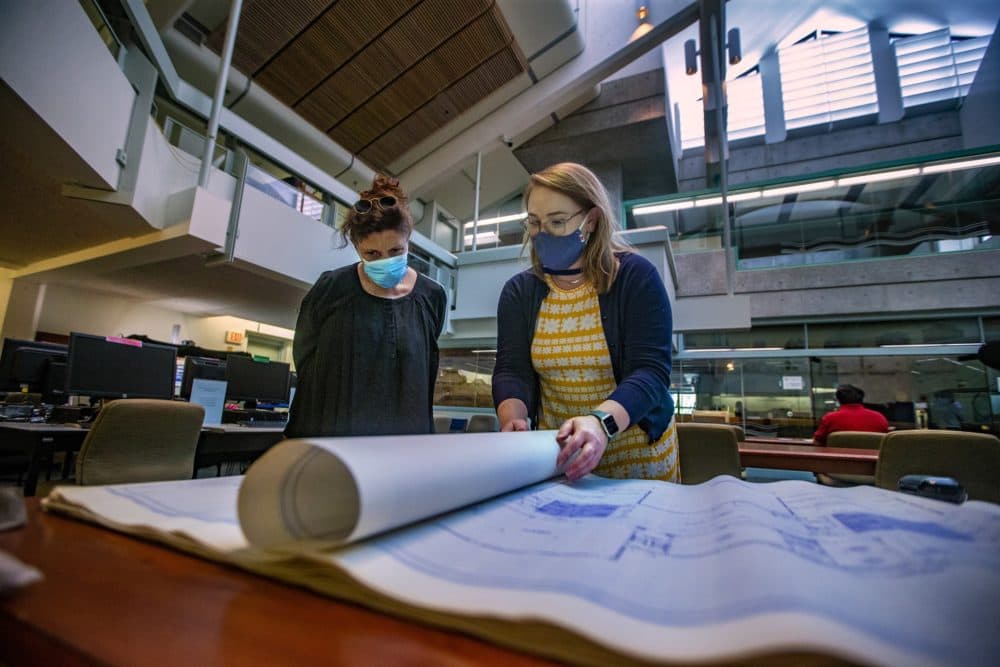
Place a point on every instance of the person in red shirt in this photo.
(851, 416)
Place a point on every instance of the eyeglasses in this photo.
(556, 227)
(382, 203)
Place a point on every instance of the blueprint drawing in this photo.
(668, 572)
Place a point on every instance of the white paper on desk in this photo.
(211, 395)
(330, 491)
(658, 571)
(715, 570)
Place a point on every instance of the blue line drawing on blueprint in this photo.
(214, 501)
(577, 510)
(865, 545)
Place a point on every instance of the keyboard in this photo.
(274, 423)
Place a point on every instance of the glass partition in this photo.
(935, 206)
(779, 380)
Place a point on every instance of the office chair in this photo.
(851, 440)
(710, 416)
(442, 424)
(971, 458)
(707, 450)
(482, 424)
(140, 440)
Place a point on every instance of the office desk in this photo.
(771, 453)
(38, 442)
(116, 600)
(220, 443)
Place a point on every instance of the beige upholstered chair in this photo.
(140, 440)
(482, 424)
(971, 458)
(707, 450)
(442, 424)
(851, 440)
(710, 416)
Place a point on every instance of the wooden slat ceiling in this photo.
(378, 76)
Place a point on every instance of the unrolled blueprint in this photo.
(664, 572)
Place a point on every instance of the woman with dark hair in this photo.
(584, 337)
(365, 345)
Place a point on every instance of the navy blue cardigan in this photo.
(637, 323)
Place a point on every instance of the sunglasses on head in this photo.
(382, 203)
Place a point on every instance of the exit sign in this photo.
(234, 337)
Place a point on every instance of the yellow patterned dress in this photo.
(570, 354)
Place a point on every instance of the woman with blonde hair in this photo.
(365, 345)
(584, 337)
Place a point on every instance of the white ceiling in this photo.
(185, 283)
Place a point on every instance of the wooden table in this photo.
(775, 453)
(112, 599)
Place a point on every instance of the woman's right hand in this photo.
(513, 415)
(515, 425)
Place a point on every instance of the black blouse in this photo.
(366, 365)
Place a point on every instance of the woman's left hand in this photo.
(583, 437)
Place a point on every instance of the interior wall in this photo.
(67, 309)
(52, 57)
(979, 110)
(20, 308)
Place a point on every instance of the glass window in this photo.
(786, 397)
(465, 378)
(788, 337)
(991, 328)
(888, 334)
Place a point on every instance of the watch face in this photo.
(608, 422)
(610, 425)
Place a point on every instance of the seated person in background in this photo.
(851, 416)
(946, 411)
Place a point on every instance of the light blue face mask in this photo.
(386, 273)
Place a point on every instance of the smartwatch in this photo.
(608, 423)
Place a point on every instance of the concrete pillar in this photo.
(712, 46)
(610, 174)
(20, 307)
(6, 287)
(775, 130)
(887, 88)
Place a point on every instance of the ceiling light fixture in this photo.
(497, 220)
(662, 208)
(642, 13)
(964, 164)
(878, 176)
(801, 187)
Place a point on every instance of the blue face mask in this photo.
(558, 253)
(386, 273)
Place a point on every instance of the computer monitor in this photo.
(903, 412)
(205, 368)
(54, 383)
(25, 363)
(111, 367)
(252, 381)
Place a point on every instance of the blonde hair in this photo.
(600, 265)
